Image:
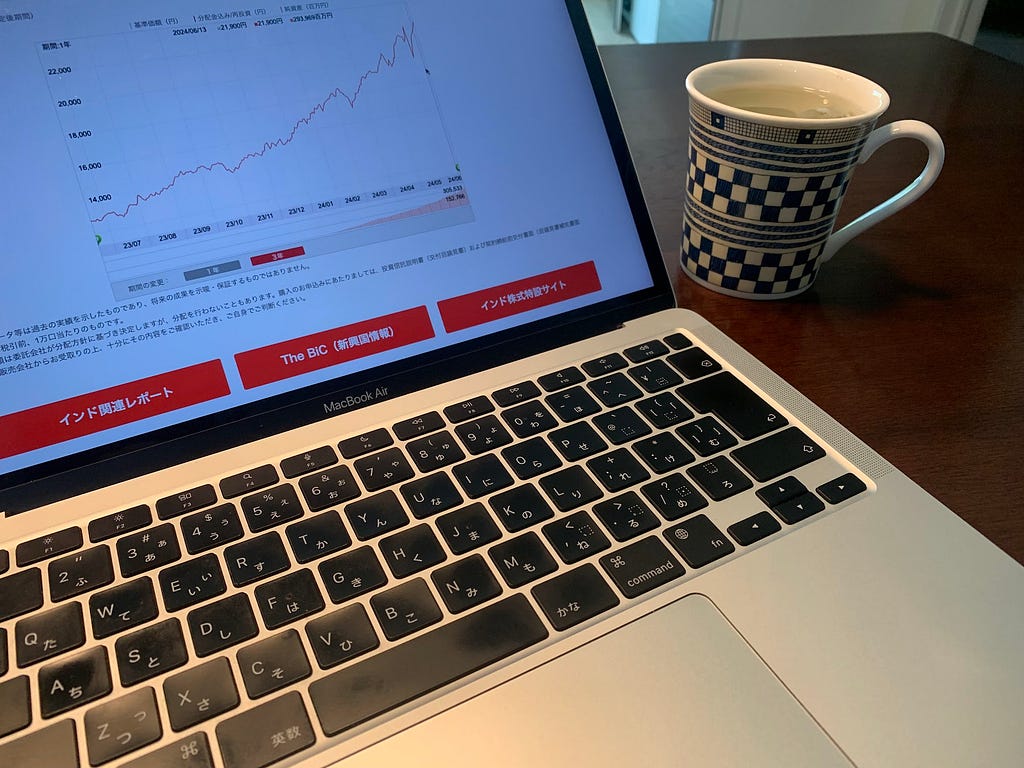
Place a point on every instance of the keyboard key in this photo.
(122, 607)
(482, 476)
(147, 549)
(655, 376)
(5, 561)
(50, 545)
(517, 393)
(289, 598)
(317, 536)
(435, 451)
(186, 501)
(781, 490)
(483, 434)
(575, 537)
(419, 425)
(53, 747)
(255, 559)
(573, 597)
(777, 454)
(618, 470)
(531, 458)
(800, 508)
(694, 363)
(466, 584)
(330, 487)
(626, 516)
(754, 528)
(677, 341)
(74, 681)
(212, 528)
(44, 635)
(273, 664)
(663, 452)
(266, 734)
(411, 551)
(352, 574)
(522, 559)
(719, 478)
(604, 365)
(79, 573)
(621, 425)
(573, 404)
(645, 351)
(3, 651)
(369, 688)
(468, 409)
(430, 495)
(270, 508)
(341, 635)
(222, 624)
(376, 515)
(20, 593)
(384, 469)
(248, 481)
(664, 410)
(310, 461)
(520, 508)
(699, 541)
(405, 609)
(734, 403)
(109, 526)
(674, 496)
(468, 528)
(15, 707)
(529, 419)
(706, 436)
(642, 566)
(150, 651)
(192, 751)
(842, 488)
(191, 582)
(360, 445)
(614, 390)
(552, 382)
(121, 726)
(199, 693)
(570, 488)
(577, 441)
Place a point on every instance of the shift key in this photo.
(266, 734)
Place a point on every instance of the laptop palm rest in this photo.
(677, 687)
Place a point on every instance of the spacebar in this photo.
(396, 676)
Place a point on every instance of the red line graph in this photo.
(404, 37)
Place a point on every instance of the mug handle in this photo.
(900, 129)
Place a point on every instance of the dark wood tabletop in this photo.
(913, 335)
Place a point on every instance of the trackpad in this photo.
(677, 687)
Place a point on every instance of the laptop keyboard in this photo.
(240, 622)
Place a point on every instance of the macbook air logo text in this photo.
(352, 401)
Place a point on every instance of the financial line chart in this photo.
(185, 137)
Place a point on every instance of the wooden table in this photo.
(913, 335)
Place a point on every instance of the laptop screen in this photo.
(209, 206)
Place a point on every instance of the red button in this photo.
(112, 407)
(519, 296)
(270, 258)
(339, 345)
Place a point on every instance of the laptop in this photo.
(347, 419)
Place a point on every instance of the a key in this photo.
(121, 726)
(20, 593)
(411, 551)
(800, 508)
(53, 747)
(435, 451)
(577, 441)
(384, 469)
(781, 490)
(618, 470)
(573, 597)
(15, 706)
(74, 681)
(642, 566)
(118, 523)
(220, 625)
(674, 496)
(754, 528)
(842, 488)
(570, 488)
(664, 410)
(368, 688)
(50, 545)
(360, 445)
(122, 607)
(529, 419)
(189, 583)
(517, 393)
(482, 476)
(706, 436)
(677, 341)
(329, 487)
(719, 478)
(419, 425)
(289, 598)
(734, 403)
(341, 635)
(192, 751)
(405, 609)
(466, 584)
(575, 537)
(186, 501)
(271, 507)
(212, 528)
(268, 733)
(699, 541)
(430, 495)
(621, 425)
(566, 377)
(626, 516)
(573, 404)
(777, 454)
(310, 461)
(522, 559)
(44, 635)
(468, 409)
(662, 452)
(467, 528)
(255, 559)
(199, 693)
(3, 651)
(655, 376)
(520, 508)
(531, 458)
(483, 434)
(352, 574)
(147, 549)
(80, 572)
(150, 651)
(248, 481)
(273, 664)
(645, 351)
(604, 365)
(694, 362)
(376, 515)
(614, 390)
(317, 536)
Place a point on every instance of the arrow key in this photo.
(800, 508)
(842, 488)
(754, 528)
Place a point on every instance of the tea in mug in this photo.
(785, 101)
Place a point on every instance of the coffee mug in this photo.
(773, 144)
